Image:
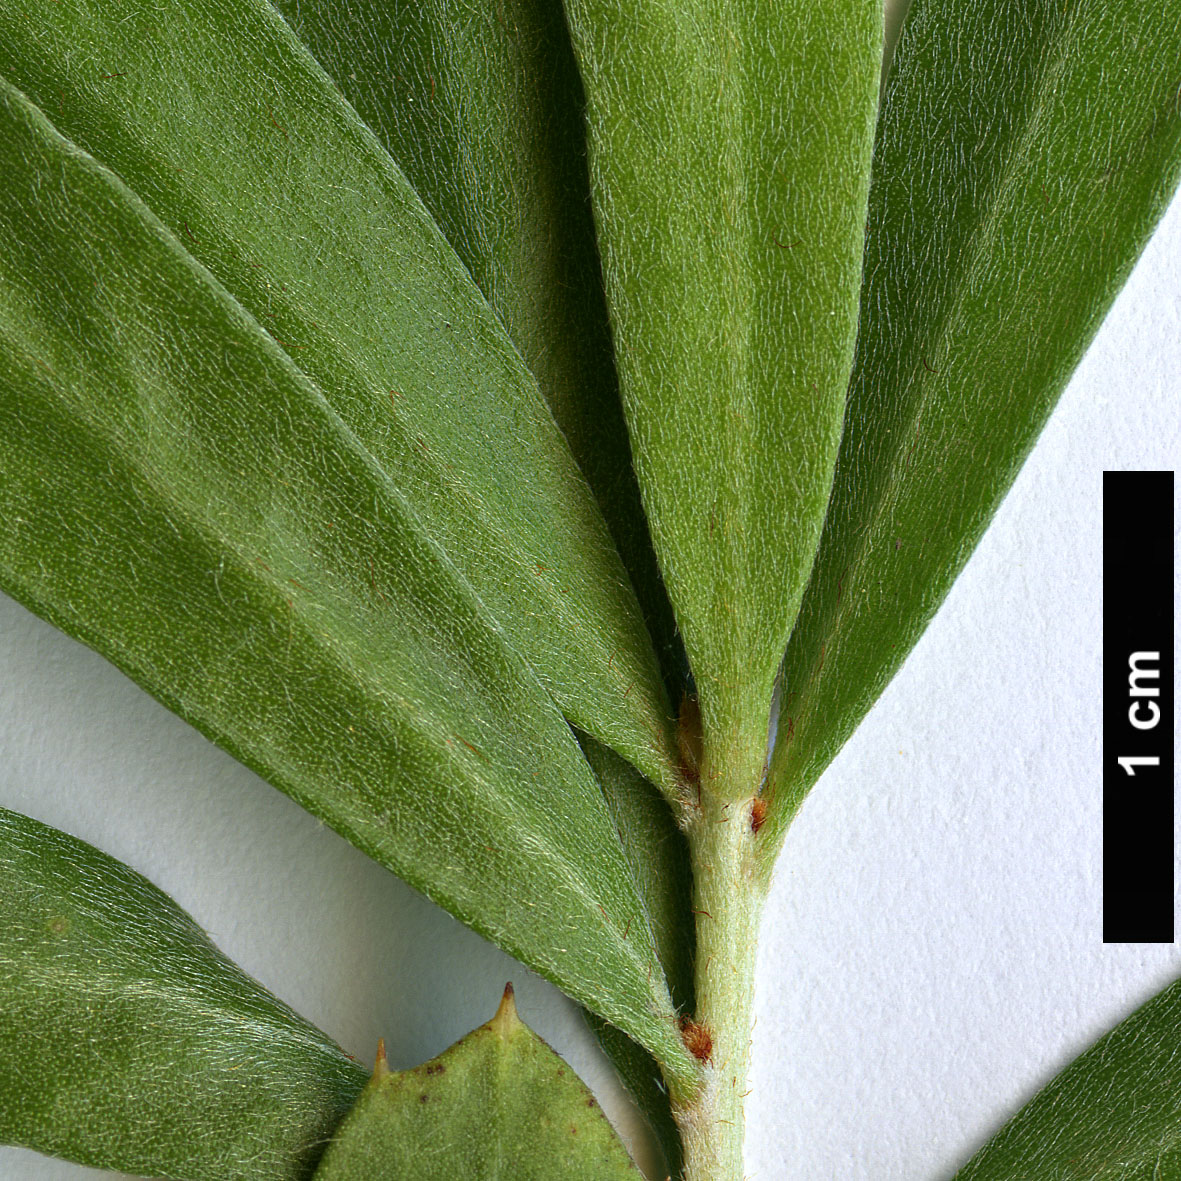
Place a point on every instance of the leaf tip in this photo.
(505, 1020)
(381, 1064)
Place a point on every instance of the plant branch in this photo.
(728, 896)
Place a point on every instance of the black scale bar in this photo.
(1138, 882)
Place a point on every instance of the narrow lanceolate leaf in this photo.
(499, 1105)
(239, 142)
(658, 854)
(1113, 1115)
(179, 496)
(481, 106)
(1025, 152)
(128, 1041)
(729, 159)
(640, 1074)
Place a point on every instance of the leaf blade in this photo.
(658, 855)
(258, 573)
(1114, 1112)
(729, 168)
(959, 362)
(107, 987)
(499, 1105)
(483, 110)
(237, 140)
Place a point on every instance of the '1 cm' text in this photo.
(1143, 713)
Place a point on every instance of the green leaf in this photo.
(483, 109)
(729, 160)
(180, 497)
(481, 106)
(130, 1042)
(1114, 1114)
(499, 1105)
(640, 1074)
(658, 854)
(1024, 153)
(238, 141)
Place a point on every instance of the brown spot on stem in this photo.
(758, 814)
(689, 739)
(697, 1038)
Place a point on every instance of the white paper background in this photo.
(932, 948)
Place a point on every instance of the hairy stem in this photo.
(728, 894)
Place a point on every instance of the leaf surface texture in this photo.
(481, 105)
(499, 1105)
(178, 495)
(129, 1042)
(1114, 1113)
(1024, 153)
(729, 160)
(235, 137)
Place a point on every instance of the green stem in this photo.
(728, 893)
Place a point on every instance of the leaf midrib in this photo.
(351, 371)
(236, 1014)
(618, 657)
(342, 658)
(1003, 181)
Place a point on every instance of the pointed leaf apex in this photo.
(381, 1065)
(499, 1104)
(506, 1020)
